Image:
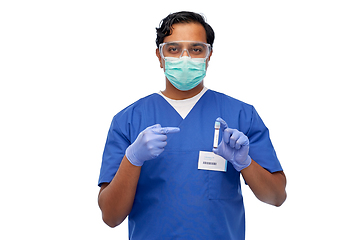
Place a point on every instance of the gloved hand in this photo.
(234, 146)
(149, 144)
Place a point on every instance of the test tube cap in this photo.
(217, 124)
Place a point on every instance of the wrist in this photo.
(240, 166)
(132, 158)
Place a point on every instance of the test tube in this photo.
(216, 134)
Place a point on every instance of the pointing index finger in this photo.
(167, 130)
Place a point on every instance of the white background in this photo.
(67, 67)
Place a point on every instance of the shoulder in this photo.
(230, 101)
(138, 106)
(133, 115)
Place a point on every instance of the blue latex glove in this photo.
(149, 144)
(234, 146)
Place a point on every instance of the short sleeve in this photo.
(261, 149)
(114, 151)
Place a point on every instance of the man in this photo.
(159, 164)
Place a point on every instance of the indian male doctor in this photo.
(152, 163)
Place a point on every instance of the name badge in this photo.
(211, 161)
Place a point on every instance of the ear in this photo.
(159, 57)
(208, 59)
(210, 55)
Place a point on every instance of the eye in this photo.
(197, 50)
(173, 49)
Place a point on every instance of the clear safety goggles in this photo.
(177, 49)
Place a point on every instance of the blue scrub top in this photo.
(174, 199)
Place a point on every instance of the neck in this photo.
(174, 93)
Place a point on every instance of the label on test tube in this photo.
(216, 134)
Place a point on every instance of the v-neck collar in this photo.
(172, 111)
(173, 103)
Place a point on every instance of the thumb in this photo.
(222, 123)
(216, 151)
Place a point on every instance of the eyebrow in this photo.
(172, 43)
(198, 44)
(191, 44)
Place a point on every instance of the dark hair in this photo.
(165, 28)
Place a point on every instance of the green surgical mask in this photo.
(185, 73)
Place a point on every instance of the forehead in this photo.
(187, 32)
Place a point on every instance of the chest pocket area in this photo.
(224, 185)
